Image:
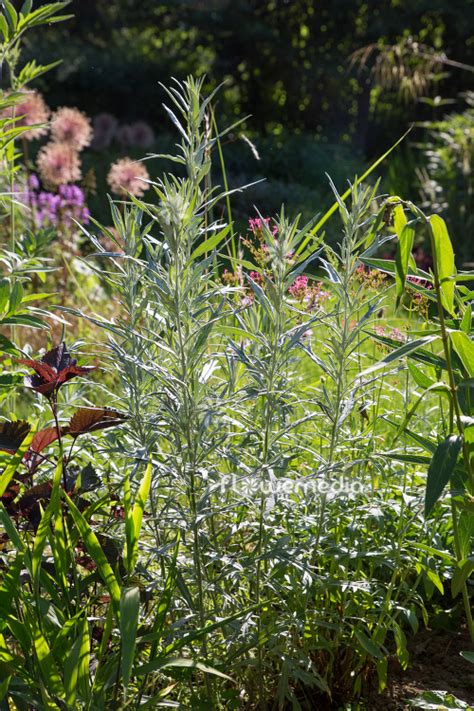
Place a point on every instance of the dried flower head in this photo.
(31, 110)
(127, 176)
(58, 164)
(71, 126)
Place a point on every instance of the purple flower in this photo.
(61, 208)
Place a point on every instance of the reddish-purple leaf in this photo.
(43, 439)
(12, 435)
(90, 419)
(55, 368)
(28, 504)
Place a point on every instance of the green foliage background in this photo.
(284, 62)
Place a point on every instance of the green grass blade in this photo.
(129, 611)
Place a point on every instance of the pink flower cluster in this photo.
(312, 294)
(257, 226)
(58, 161)
(30, 110)
(127, 176)
(299, 288)
(395, 334)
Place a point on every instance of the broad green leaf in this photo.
(420, 378)
(466, 322)
(15, 298)
(464, 347)
(167, 663)
(129, 610)
(46, 661)
(5, 289)
(407, 349)
(26, 7)
(210, 244)
(11, 14)
(138, 509)
(96, 553)
(461, 573)
(441, 469)
(15, 462)
(9, 588)
(369, 645)
(402, 259)
(83, 677)
(44, 526)
(469, 656)
(444, 261)
(4, 27)
(71, 671)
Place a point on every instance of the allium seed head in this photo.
(32, 110)
(127, 176)
(71, 126)
(58, 164)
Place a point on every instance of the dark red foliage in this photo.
(90, 419)
(54, 369)
(12, 435)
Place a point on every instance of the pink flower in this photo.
(71, 126)
(58, 164)
(31, 110)
(299, 288)
(257, 225)
(257, 277)
(127, 176)
(397, 335)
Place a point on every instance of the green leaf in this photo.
(24, 320)
(5, 289)
(14, 462)
(11, 14)
(402, 259)
(26, 7)
(462, 572)
(211, 243)
(468, 656)
(407, 349)
(129, 609)
(16, 297)
(4, 28)
(369, 645)
(466, 322)
(420, 378)
(46, 661)
(441, 469)
(464, 347)
(133, 518)
(167, 662)
(96, 553)
(83, 676)
(443, 256)
(9, 588)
